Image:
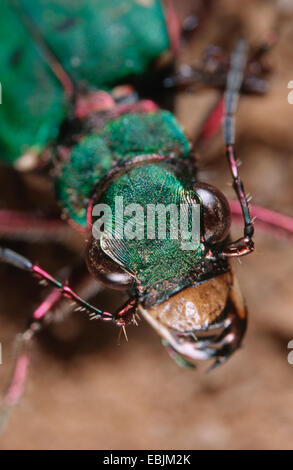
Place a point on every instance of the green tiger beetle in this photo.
(77, 116)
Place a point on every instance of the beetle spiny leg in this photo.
(244, 245)
(126, 313)
(15, 259)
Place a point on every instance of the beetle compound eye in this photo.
(216, 213)
(104, 269)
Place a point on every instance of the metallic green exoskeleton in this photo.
(64, 67)
(99, 43)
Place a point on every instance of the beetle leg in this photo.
(121, 318)
(16, 386)
(15, 259)
(211, 124)
(19, 225)
(213, 69)
(48, 310)
(276, 224)
(126, 313)
(245, 244)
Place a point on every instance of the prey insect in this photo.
(110, 143)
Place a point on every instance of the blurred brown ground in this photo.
(86, 392)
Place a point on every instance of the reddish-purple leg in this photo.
(48, 310)
(16, 387)
(121, 318)
(272, 222)
(245, 244)
(43, 313)
(212, 124)
(19, 225)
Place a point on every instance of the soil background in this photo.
(84, 391)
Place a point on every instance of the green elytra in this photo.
(99, 44)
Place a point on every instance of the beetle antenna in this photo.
(57, 68)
